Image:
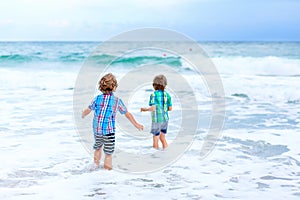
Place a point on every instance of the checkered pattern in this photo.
(105, 107)
(162, 101)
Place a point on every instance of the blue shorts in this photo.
(107, 140)
(158, 127)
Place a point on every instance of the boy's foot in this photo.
(107, 167)
(93, 167)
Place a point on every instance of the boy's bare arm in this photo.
(170, 108)
(132, 120)
(85, 112)
(151, 108)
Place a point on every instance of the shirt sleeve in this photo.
(93, 104)
(151, 100)
(121, 107)
(169, 100)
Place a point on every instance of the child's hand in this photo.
(144, 109)
(140, 127)
(151, 108)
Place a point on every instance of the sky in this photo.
(99, 20)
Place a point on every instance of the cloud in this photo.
(6, 21)
(59, 23)
(201, 19)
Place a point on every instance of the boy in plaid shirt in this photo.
(105, 107)
(160, 103)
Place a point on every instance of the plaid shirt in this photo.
(162, 101)
(105, 107)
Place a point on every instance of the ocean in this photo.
(257, 156)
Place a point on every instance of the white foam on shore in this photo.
(257, 156)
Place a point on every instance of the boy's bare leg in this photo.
(97, 156)
(108, 162)
(155, 141)
(162, 138)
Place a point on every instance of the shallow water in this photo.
(257, 156)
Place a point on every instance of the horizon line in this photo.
(125, 41)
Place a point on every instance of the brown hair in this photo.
(159, 82)
(108, 83)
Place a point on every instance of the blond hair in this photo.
(108, 83)
(159, 82)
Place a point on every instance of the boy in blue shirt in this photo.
(105, 107)
(160, 103)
